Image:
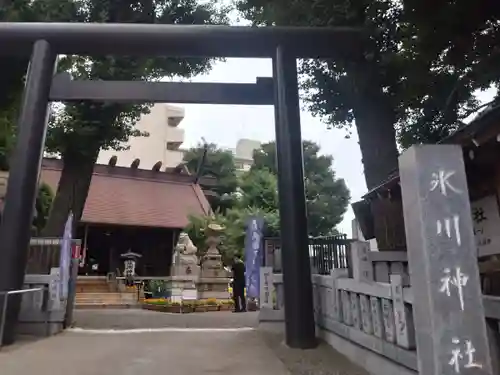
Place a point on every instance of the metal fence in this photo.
(328, 253)
(21, 292)
(43, 255)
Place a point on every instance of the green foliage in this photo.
(79, 130)
(7, 136)
(236, 221)
(218, 164)
(259, 188)
(233, 237)
(84, 128)
(327, 197)
(13, 69)
(257, 195)
(455, 40)
(43, 205)
(395, 84)
(197, 226)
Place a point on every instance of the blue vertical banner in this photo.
(253, 255)
(65, 256)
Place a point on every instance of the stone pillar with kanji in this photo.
(448, 307)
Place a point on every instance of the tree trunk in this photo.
(377, 141)
(71, 194)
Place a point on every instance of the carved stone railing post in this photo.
(267, 290)
(362, 269)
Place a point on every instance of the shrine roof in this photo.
(135, 197)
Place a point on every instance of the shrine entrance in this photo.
(104, 244)
(283, 45)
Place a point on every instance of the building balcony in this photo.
(175, 115)
(173, 145)
(174, 135)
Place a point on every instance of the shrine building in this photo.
(380, 213)
(132, 210)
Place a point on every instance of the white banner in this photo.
(65, 257)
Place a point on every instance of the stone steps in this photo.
(92, 285)
(95, 294)
(92, 289)
(95, 306)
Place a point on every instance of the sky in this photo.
(225, 124)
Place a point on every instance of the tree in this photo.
(80, 130)
(327, 197)
(259, 188)
(389, 86)
(43, 205)
(219, 164)
(233, 237)
(7, 137)
(13, 68)
(461, 37)
(257, 195)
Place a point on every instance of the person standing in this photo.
(238, 269)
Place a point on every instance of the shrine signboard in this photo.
(486, 221)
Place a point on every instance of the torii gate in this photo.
(283, 44)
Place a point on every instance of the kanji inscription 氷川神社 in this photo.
(448, 312)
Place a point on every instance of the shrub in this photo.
(211, 301)
(158, 301)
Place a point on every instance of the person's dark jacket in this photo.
(239, 274)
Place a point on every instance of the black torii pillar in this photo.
(299, 314)
(23, 180)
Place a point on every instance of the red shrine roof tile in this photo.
(124, 196)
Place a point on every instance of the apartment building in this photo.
(163, 143)
(243, 153)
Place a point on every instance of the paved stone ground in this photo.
(172, 353)
(118, 341)
(136, 318)
(323, 360)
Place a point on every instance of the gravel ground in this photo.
(137, 318)
(323, 360)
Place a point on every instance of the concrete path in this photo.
(172, 353)
(140, 342)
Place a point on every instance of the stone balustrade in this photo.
(366, 318)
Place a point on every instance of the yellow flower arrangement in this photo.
(157, 301)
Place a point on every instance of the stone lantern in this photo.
(214, 279)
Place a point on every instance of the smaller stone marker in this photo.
(336, 295)
(346, 307)
(355, 311)
(266, 288)
(362, 269)
(377, 320)
(366, 314)
(448, 308)
(405, 332)
(388, 318)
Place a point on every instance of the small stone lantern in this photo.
(130, 260)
